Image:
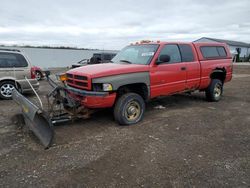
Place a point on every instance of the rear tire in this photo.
(6, 88)
(39, 75)
(214, 90)
(129, 109)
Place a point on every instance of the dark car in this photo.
(101, 58)
(95, 59)
(80, 63)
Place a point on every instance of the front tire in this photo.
(129, 109)
(214, 90)
(6, 88)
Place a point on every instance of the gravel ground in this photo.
(183, 141)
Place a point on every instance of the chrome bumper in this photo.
(25, 87)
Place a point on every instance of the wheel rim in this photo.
(38, 76)
(133, 111)
(6, 90)
(217, 91)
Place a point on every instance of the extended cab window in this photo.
(9, 60)
(173, 52)
(213, 51)
(187, 54)
(222, 51)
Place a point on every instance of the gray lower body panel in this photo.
(25, 87)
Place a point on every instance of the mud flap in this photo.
(35, 119)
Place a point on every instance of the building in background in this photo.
(239, 50)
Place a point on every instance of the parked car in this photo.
(80, 63)
(14, 67)
(95, 59)
(144, 71)
(39, 73)
(101, 58)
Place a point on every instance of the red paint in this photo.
(99, 102)
(33, 71)
(165, 79)
(108, 69)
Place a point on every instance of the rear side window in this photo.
(10, 60)
(186, 53)
(213, 51)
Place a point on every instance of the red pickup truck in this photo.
(146, 70)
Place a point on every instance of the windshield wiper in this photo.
(126, 61)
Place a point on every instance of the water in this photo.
(49, 58)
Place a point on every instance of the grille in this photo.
(70, 81)
(78, 81)
(81, 77)
(69, 75)
(82, 84)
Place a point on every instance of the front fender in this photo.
(7, 78)
(124, 79)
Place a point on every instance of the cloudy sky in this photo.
(112, 24)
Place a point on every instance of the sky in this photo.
(113, 24)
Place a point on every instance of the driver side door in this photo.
(168, 77)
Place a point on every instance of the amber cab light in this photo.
(63, 77)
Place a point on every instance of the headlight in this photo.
(107, 87)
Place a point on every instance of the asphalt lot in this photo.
(187, 143)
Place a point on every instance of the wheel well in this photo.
(18, 85)
(219, 73)
(139, 88)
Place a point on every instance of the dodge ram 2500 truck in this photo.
(146, 70)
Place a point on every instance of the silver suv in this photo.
(14, 70)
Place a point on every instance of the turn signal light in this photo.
(63, 77)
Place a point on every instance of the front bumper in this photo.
(93, 99)
(25, 87)
(86, 93)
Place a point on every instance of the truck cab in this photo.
(147, 70)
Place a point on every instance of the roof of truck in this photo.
(179, 42)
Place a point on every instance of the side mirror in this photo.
(163, 59)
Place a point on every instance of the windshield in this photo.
(138, 54)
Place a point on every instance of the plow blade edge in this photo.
(35, 119)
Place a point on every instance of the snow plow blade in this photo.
(35, 119)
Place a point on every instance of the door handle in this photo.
(183, 68)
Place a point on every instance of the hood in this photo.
(108, 69)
